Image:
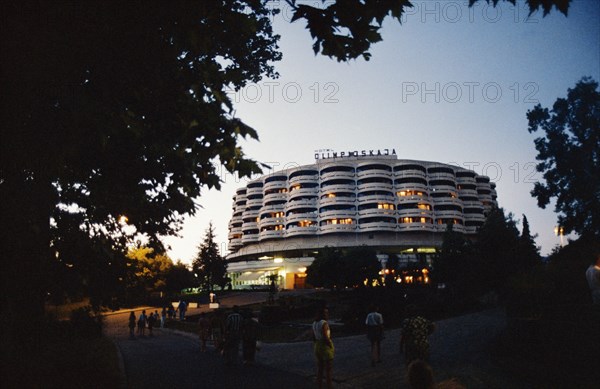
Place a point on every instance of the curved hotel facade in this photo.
(398, 207)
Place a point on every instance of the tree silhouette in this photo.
(453, 264)
(569, 155)
(334, 268)
(114, 110)
(528, 254)
(209, 266)
(497, 248)
(346, 29)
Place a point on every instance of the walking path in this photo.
(459, 349)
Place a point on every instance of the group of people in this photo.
(145, 321)
(414, 343)
(153, 319)
(228, 333)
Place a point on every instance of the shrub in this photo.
(86, 323)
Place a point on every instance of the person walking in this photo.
(374, 323)
(163, 317)
(204, 325)
(414, 342)
(151, 320)
(592, 274)
(132, 320)
(323, 347)
(142, 323)
(233, 328)
(217, 329)
(249, 338)
(182, 308)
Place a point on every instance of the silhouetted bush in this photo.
(86, 323)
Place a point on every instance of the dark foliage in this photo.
(569, 155)
(335, 268)
(209, 266)
(346, 29)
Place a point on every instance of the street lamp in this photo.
(560, 231)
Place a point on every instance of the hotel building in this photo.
(398, 207)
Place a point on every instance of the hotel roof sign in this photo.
(355, 154)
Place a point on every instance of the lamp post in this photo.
(559, 231)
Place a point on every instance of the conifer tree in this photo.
(209, 266)
(528, 254)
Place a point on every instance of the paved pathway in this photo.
(459, 349)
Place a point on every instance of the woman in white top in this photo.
(323, 347)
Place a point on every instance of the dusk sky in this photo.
(450, 84)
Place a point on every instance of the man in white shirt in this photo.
(374, 324)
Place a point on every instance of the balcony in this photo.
(374, 173)
(235, 244)
(442, 187)
(298, 231)
(302, 203)
(270, 221)
(234, 234)
(302, 192)
(337, 175)
(376, 212)
(271, 234)
(413, 173)
(416, 226)
(474, 217)
(350, 187)
(257, 190)
(448, 201)
(236, 219)
(467, 193)
(484, 197)
(441, 176)
(255, 202)
(413, 199)
(389, 198)
(449, 214)
(249, 226)
(250, 238)
(337, 214)
(379, 186)
(376, 224)
(455, 228)
(414, 186)
(342, 200)
(471, 229)
(298, 217)
(274, 197)
(332, 228)
(465, 180)
(275, 185)
(250, 213)
(299, 180)
(414, 212)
